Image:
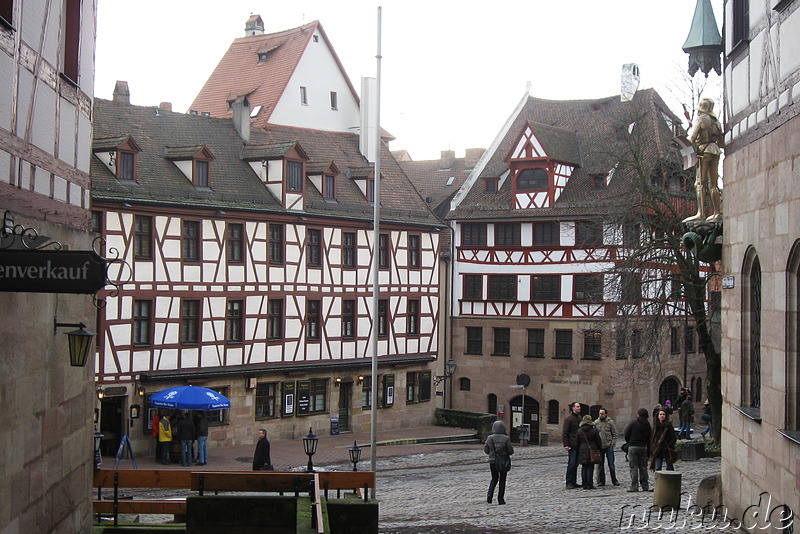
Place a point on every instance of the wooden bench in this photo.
(348, 480)
(139, 478)
(252, 481)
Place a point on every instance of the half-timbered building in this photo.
(251, 249)
(761, 253)
(535, 313)
(46, 75)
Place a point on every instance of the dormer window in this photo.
(329, 187)
(294, 176)
(491, 185)
(194, 162)
(533, 180)
(599, 181)
(119, 156)
(125, 165)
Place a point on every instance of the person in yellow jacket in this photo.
(164, 437)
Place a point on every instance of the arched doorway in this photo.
(530, 416)
(668, 390)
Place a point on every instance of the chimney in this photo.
(254, 26)
(165, 106)
(473, 155)
(240, 107)
(447, 159)
(122, 93)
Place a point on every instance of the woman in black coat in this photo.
(588, 439)
(664, 439)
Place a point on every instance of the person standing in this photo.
(498, 444)
(261, 458)
(707, 420)
(185, 429)
(164, 437)
(154, 429)
(655, 411)
(608, 437)
(569, 436)
(201, 428)
(663, 440)
(687, 416)
(588, 440)
(637, 435)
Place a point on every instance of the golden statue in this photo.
(707, 136)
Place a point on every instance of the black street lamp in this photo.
(355, 455)
(310, 447)
(449, 371)
(97, 458)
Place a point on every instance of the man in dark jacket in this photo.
(637, 436)
(569, 435)
(261, 458)
(185, 430)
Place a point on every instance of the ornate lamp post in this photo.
(355, 455)
(310, 447)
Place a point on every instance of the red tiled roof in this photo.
(239, 72)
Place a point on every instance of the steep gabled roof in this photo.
(583, 133)
(241, 73)
(234, 184)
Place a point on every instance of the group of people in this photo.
(589, 443)
(184, 428)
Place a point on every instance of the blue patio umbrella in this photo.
(190, 398)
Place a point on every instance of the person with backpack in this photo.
(498, 447)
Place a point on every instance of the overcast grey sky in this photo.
(452, 72)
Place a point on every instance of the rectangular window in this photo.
(334, 101)
(366, 392)
(588, 234)
(412, 386)
(191, 241)
(235, 243)
(630, 288)
(424, 386)
(631, 235)
(348, 318)
(383, 251)
(275, 319)
(636, 344)
(276, 244)
(349, 250)
(303, 96)
(97, 219)
(329, 187)
(143, 237)
(294, 176)
(318, 395)
(507, 235)
(72, 39)
(473, 287)
(125, 169)
(218, 417)
(142, 317)
(502, 342)
(592, 344)
(383, 318)
(689, 340)
(314, 248)
(491, 185)
(740, 22)
(621, 342)
(312, 320)
(473, 235)
(387, 390)
(233, 321)
(674, 340)
(6, 13)
(190, 322)
(546, 288)
(546, 234)
(474, 340)
(588, 288)
(413, 252)
(266, 400)
(412, 327)
(535, 343)
(564, 344)
(502, 287)
(201, 176)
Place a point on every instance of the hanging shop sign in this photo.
(52, 271)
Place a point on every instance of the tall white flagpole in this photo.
(373, 438)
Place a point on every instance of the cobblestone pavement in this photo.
(445, 492)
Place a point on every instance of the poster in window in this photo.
(303, 397)
(288, 398)
(425, 385)
(388, 390)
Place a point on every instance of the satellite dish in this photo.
(630, 81)
(523, 380)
